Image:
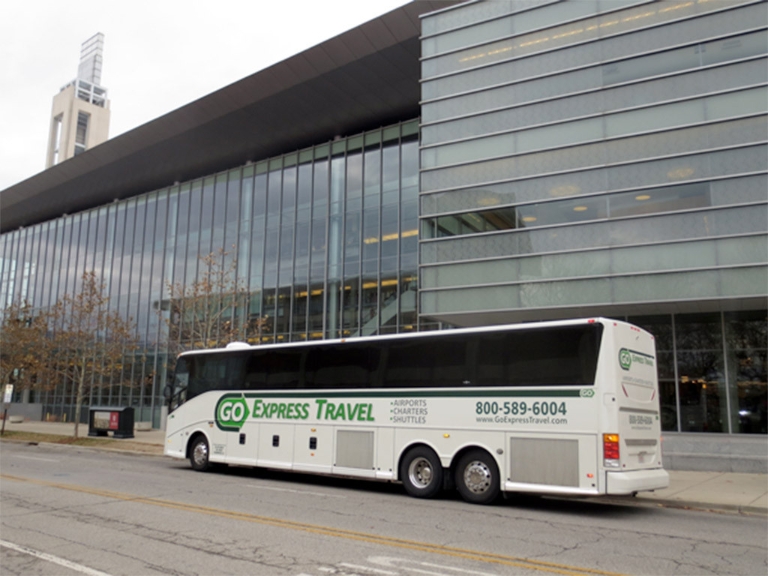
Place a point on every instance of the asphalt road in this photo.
(68, 511)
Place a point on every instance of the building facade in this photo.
(544, 160)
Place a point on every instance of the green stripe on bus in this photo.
(419, 394)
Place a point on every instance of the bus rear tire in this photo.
(421, 472)
(477, 477)
(199, 454)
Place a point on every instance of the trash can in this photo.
(103, 420)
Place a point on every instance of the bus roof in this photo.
(235, 347)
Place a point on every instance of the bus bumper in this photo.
(636, 481)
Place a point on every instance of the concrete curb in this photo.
(685, 505)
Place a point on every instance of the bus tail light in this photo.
(611, 457)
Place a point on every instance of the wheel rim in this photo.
(200, 453)
(477, 477)
(420, 472)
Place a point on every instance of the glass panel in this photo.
(710, 223)
(701, 378)
(623, 177)
(233, 215)
(180, 237)
(289, 193)
(391, 174)
(746, 342)
(612, 47)
(270, 258)
(210, 209)
(320, 188)
(661, 328)
(515, 106)
(655, 118)
(518, 23)
(613, 125)
(410, 169)
(286, 255)
(305, 186)
(549, 39)
(470, 299)
(193, 237)
(354, 181)
(274, 193)
(127, 249)
(372, 171)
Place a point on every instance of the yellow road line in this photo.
(474, 555)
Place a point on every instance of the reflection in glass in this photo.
(622, 205)
(746, 335)
(308, 238)
(661, 329)
(701, 378)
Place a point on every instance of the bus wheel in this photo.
(198, 456)
(477, 477)
(421, 472)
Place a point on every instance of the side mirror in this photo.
(168, 391)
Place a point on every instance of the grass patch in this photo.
(111, 443)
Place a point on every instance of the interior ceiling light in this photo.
(579, 208)
(679, 173)
(643, 197)
(567, 190)
(529, 218)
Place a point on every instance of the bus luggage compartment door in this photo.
(552, 463)
(313, 451)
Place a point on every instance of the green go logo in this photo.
(231, 412)
(625, 359)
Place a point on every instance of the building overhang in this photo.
(364, 78)
(692, 306)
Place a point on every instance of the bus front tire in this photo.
(477, 477)
(421, 472)
(199, 454)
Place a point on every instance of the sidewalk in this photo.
(744, 493)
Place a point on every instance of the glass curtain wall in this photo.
(324, 239)
(713, 375)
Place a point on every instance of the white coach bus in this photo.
(568, 408)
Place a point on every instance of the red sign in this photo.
(114, 419)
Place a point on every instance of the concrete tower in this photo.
(80, 112)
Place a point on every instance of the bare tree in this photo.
(87, 344)
(211, 311)
(22, 335)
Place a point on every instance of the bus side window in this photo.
(451, 365)
(283, 368)
(562, 357)
(350, 366)
(255, 375)
(492, 360)
(422, 362)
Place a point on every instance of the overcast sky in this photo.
(158, 56)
